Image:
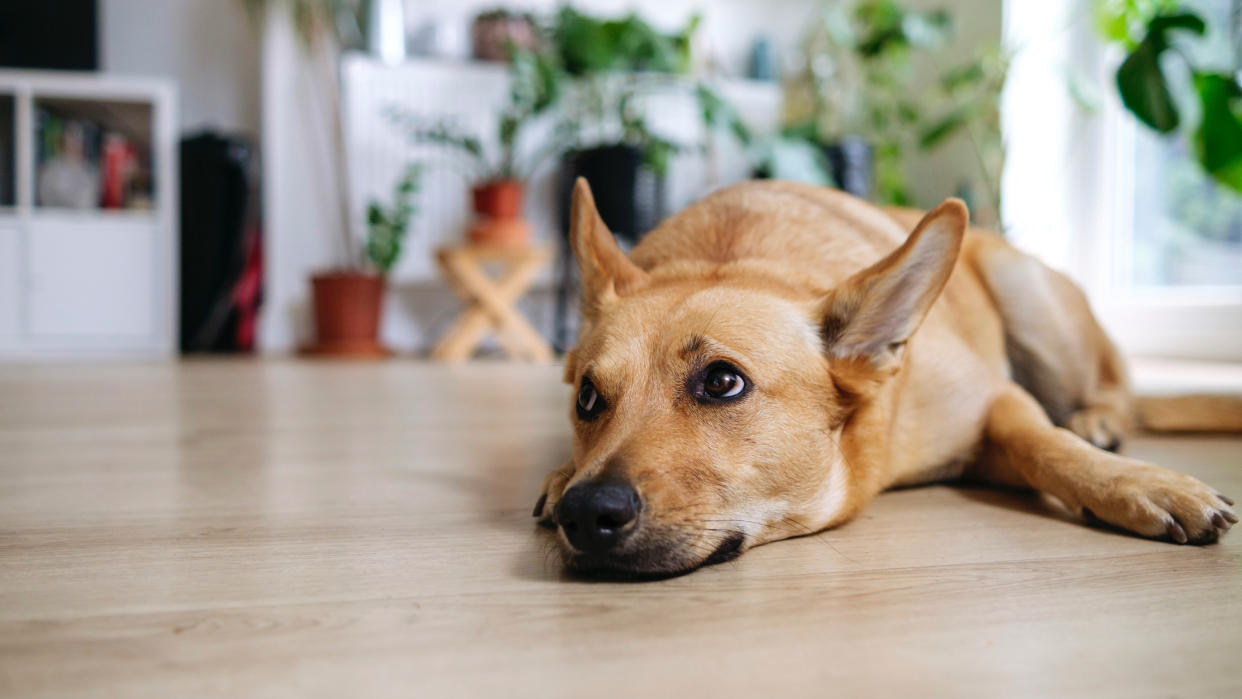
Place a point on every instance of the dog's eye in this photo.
(590, 404)
(721, 381)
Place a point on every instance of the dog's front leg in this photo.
(1024, 446)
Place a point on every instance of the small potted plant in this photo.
(345, 297)
(348, 303)
(497, 180)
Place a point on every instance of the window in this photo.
(1156, 244)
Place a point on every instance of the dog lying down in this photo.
(750, 372)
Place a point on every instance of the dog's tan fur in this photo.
(952, 356)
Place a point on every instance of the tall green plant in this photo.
(1159, 37)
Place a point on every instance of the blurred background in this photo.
(279, 176)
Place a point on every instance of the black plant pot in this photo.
(852, 165)
(630, 198)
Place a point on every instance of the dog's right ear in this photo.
(606, 271)
(872, 314)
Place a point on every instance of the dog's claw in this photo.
(1233, 519)
(1226, 500)
(539, 505)
(1177, 533)
(1218, 521)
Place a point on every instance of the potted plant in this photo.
(346, 298)
(611, 66)
(497, 179)
(348, 304)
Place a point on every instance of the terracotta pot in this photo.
(499, 198)
(498, 205)
(347, 314)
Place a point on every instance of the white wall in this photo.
(207, 46)
(301, 214)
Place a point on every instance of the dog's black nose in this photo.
(596, 515)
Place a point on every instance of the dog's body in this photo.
(751, 373)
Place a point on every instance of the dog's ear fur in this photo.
(606, 271)
(874, 312)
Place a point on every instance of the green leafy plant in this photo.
(609, 67)
(388, 225)
(590, 46)
(1150, 30)
(595, 74)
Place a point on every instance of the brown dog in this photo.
(740, 380)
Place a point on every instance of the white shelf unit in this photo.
(86, 283)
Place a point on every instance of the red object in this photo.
(248, 292)
(499, 207)
(347, 314)
(118, 159)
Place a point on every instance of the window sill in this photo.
(1161, 377)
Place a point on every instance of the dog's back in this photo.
(816, 235)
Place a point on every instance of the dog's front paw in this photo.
(1161, 504)
(550, 493)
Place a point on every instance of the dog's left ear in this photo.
(872, 315)
(607, 272)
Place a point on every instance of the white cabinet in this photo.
(10, 286)
(91, 279)
(88, 219)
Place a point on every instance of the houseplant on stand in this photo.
(348, 304)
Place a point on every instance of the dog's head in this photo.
(719, 410)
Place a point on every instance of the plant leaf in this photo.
(1140, 79)
(1143, 89)
(943, 129)
(1189, 21)
(1218, 140)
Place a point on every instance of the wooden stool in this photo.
(492, 301)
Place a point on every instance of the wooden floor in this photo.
(265, 529)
